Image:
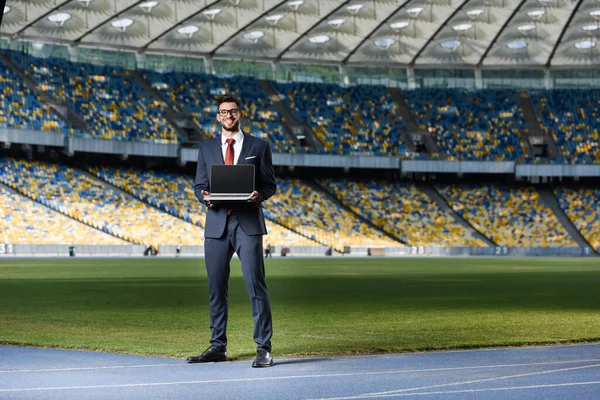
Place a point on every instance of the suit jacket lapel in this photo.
(245, 148)
(217, 149)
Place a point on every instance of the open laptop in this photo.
(231, 182)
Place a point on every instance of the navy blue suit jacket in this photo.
(250, 215)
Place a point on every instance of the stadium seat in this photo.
(572, 118)
(509, 216)
(23, 221)
(348, 120)
(196, 95)
(582, 206)
(173, 193)
(96, 204)
(482, 125)
(108, 98)
(403, 211)
(310, 212)
(20, 108)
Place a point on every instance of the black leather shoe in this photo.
(263, 359)
(212, 354)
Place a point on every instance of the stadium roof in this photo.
(454, 33)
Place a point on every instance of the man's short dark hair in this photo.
(230, 99)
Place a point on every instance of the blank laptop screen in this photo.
(232, 178)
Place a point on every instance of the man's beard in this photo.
(234, 128)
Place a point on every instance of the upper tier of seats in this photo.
(572, 117)
(509, 216)
(196, 95)
(480, 125)
(348, 120)
(483, 125)
(108, 98)
(20, 108)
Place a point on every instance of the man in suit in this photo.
(235, 227)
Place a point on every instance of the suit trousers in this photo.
(218, 254)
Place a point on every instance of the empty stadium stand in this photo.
(312, 213)
(89, 200)
(582, 206)
(348, 120)
(470, 125)
(572, 117)
(108, 98)
(195, 95)
(403, 211)
(24, 221)
(510, 216)
(174, 194)
(20, 108)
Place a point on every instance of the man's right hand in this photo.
(205, 194)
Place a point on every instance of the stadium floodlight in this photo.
(595, 14)
(475, 13)
(122, 24)
(415, 11)
(450, 45)
(355, 8)
(462, 27)
(385, 43)
(147, 6)
(526, 27)
(188, 31)
(295, 4)
(585, 44)
(590, 28)
(536, 14)
(398, 26)
(211, 14)
(319, 39)
(336, 23)
(59, 18)
(517, 44)
(546, 2)
(6, 9)
(274, 19)
(254, 36)
(85, 3)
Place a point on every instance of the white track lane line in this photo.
(498, 378)
(273, 378)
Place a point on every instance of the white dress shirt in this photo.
(237, 146)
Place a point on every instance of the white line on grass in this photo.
(273, 378)
(402, 392)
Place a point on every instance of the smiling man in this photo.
(235, 227)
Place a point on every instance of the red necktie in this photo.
(229, 153)
(229, 159)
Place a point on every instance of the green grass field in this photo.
(158, 306)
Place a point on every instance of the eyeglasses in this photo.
(234, 112)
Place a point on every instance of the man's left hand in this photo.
(253, 197)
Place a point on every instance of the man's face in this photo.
(229, 116)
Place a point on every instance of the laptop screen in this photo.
(232, 178)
